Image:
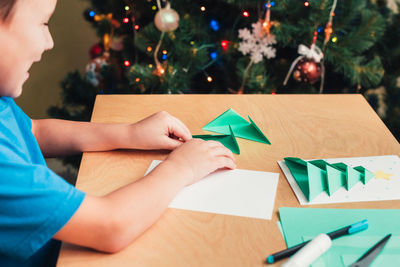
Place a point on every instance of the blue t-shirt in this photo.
(35, 203)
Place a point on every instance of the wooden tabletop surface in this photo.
(305, 126)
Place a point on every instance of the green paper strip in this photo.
(229, 141)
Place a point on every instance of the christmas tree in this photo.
(236, 46)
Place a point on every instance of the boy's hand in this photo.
(158, 131)
(198, 158)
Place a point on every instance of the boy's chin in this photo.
(14, 93)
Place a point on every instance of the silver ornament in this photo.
(166, 19)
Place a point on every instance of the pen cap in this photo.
(310, 252)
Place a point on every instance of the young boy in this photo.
(37, 207)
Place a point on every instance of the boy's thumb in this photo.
(173, 143)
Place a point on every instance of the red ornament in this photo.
(307, 71)
(95, 51)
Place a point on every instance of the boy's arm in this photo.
(112, 222)
(62, 137)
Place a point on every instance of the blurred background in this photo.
(224, 46)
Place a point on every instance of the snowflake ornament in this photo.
(257, 43)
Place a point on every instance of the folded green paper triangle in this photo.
(228, 140)
(241, 127)
(317, 176)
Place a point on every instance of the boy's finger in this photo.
(223, 151)
(188, 135)
(180, 130)
(172, 143)
(225, 162)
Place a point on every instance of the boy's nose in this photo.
(50, 43)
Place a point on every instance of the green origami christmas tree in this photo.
(317, 176)
(231, 125)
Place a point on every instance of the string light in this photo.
(203, 8)
(334, 39)
(127, 8)
(306, 3)
(125, 20)
(214, 25)
(209, 79)
(150, 66)
(246, 14)
(164, 57)
(191, 42)
(224, 44)
(164, 52)
(149, 49)
(136, 27)
(137, 80)
(127, 63)
(92, 13)
(213, 55)
(154, 7)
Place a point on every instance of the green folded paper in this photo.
(302, 224)
(241, 127)
(317, 176)
(228, 140)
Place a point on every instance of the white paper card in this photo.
(230, 192)
(384, 186)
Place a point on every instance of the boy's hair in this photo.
(6, 8)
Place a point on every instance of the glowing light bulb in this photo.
(149, 49)
(224, 44)
(125, 20)
(246, 14)
(127, 63)
(203, 8)
(209, 79)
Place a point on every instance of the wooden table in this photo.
(306, 126)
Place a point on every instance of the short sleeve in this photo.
(35, 204)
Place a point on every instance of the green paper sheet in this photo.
(301, 224)
(241, 127)
(317, 176)
(229, 141)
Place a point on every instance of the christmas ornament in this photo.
(93, 69)
(95, 51)
(117, 43)
(166, 19)
(307, 70)
(308, 67)
(267, 24)
(256, 43)
(328, 27)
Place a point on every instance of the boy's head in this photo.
(24, 36)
